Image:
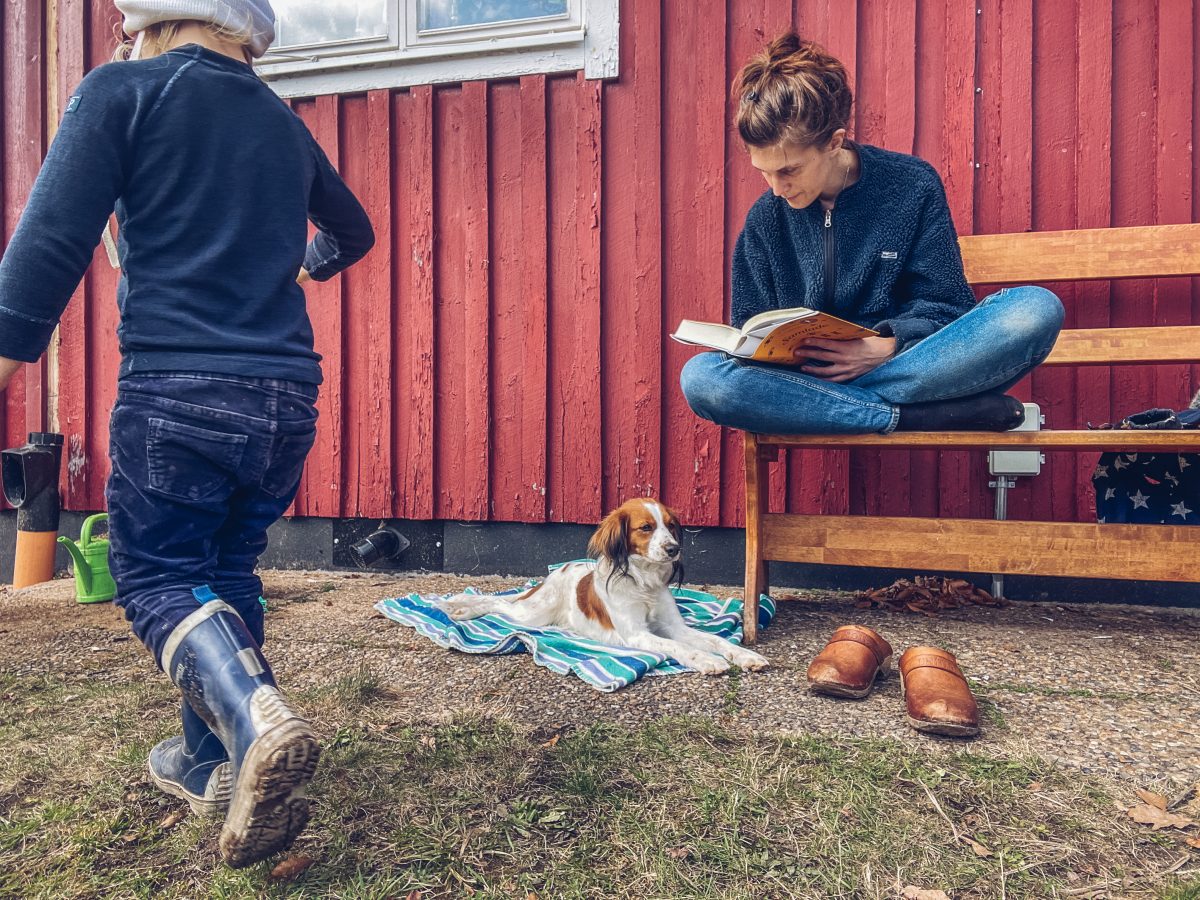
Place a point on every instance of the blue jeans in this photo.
(989, 348)
(202, 465)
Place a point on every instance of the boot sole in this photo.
(269, 809)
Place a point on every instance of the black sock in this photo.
(981, 412)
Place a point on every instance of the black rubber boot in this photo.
(194, 766)
(216, 663)
(981, 412)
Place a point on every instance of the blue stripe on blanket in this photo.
(603, 666)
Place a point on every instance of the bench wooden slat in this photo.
(1069, 549)
(1132, 441)
(1152, 251)
(1105, 346)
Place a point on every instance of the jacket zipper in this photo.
(830, 261)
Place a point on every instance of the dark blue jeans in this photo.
(201, 466)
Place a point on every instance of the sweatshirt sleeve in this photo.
(753, 283)
(933, 279)
(72, 198)
(344, 232)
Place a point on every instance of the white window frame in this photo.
(585, 38)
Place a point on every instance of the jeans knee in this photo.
(704, 386)
(1036, 314)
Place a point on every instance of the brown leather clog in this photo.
(848, 665)
(936, 692)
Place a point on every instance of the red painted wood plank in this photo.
(367, 166)
(23, 138)
(324, 478)
(461, 305)
(534, 301)
(1174, 385)
(72, 413)
(574, 301)
(1052, 495)
(517, 177)
(632, 320)
(1134, 188)
(1092, 153)
(694, 252)
(413, 409)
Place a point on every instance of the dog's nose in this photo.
(672, 550)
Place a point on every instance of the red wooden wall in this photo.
(502, 354)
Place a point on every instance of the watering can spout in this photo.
(83, 571)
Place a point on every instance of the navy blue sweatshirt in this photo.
(889, 258)
(213, 179)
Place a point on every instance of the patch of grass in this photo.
(679, 808)
(1043, 691)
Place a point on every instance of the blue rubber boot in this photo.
(194, 766)
(213, 659)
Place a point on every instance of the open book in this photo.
(770, 336)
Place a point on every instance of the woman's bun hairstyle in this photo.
(792, 90)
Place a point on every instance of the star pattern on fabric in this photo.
(1179, 509)
(1101, 472)
(1119, 463)
(1140, 500)
(1110, 493)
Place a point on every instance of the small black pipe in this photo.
(386, 543)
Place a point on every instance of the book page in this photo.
(708, 334)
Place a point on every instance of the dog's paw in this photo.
(708, 664)
(749, 660)
(463, 606)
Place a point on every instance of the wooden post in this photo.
(757, 488)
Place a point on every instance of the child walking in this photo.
(213, 180)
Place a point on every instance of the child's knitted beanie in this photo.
(252, 20)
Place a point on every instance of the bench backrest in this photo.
(1152, 251)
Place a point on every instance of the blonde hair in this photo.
(792, 90)
(160, 37)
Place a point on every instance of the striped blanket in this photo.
(603, 666)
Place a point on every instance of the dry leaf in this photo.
(290, 868)
(979, 849)
(531, 896)
(1158, 801)
(413, 895)
(677, 852)
(171, 821)
(912, 892)
(1034, 786)
(1193, 842)
(1145, 814)
(550, 743)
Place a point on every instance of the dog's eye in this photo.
(646, 527)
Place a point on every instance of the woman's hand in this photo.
(8, 368)
(846, 360)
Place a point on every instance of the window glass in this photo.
(303, 22)
(435, 14)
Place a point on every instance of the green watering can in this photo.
(93, 583)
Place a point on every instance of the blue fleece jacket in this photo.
(213, 179)
(889, 258)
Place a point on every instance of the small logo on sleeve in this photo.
(889, 254)
(73, 103)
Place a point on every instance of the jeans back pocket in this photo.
(190, 463)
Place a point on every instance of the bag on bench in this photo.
(1150, 488)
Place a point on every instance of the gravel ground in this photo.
(1111, 691)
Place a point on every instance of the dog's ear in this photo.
(673, 525)
(611, 540)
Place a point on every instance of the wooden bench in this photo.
(1149, 552)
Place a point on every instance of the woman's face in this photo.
(801, 174)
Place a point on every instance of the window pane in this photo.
(325, 21)
(457, 13)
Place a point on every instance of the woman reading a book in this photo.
(864, 234)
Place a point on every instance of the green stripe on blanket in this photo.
(603, 666)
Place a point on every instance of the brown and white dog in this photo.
(623, 599)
